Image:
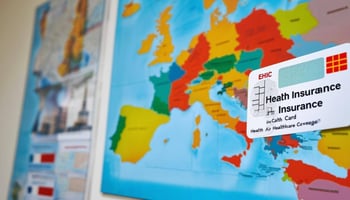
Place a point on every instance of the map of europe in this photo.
(176, 124)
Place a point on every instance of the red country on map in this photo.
(192, 66)
(311, 173)
(260, 30)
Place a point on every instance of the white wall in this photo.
(16, 25)
(16, 28)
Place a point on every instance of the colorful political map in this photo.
(176, 124)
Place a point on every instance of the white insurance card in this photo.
(307, 93)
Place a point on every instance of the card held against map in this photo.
(301, 94)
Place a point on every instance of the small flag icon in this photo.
(41, 191)
(42, 158)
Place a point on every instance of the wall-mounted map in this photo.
(176, 124)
